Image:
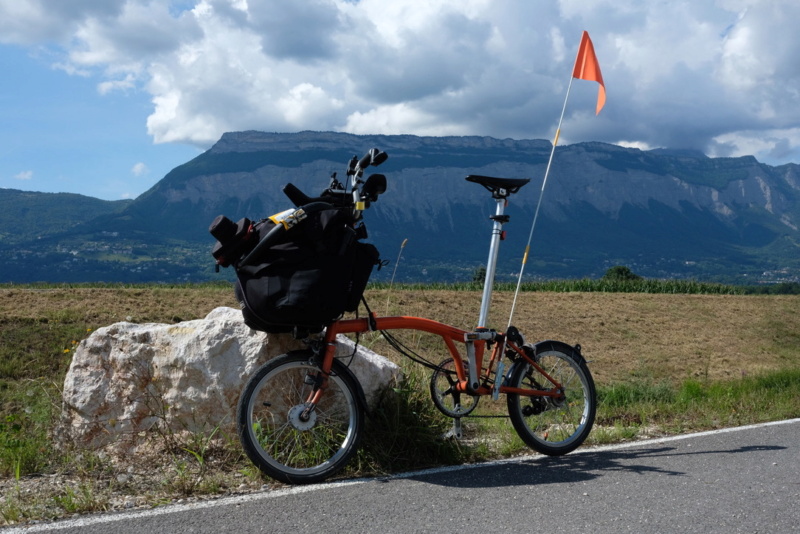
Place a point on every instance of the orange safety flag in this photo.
(587, 68)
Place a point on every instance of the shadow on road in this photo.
(569, 468)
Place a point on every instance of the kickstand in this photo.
(456, 431)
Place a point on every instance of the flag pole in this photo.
(586, 68)
(539, 205)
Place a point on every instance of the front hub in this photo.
(302, 418)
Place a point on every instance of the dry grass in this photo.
(102, 306)
(629, 338)
(623, 334)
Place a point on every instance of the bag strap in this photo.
(373, 326)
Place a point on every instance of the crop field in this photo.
(674, 336)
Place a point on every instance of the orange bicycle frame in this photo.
(450, 336)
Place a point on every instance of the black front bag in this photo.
(314, 273)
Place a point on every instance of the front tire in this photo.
(553, 425)
(279, 435)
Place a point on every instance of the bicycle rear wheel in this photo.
(278, 433)
(553, 425)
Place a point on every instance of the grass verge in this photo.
(405, 433)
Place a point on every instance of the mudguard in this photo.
(550, 344)
(547, 345)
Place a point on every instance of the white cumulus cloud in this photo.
(719, 76)
(139, 169)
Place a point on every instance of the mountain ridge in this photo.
(665, 213)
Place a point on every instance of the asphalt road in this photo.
(739, 480)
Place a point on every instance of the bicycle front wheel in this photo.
(285, 439)
(553, 425)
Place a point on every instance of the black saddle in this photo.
(499, 187)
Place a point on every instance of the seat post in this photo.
(491, 264)
(501, 189)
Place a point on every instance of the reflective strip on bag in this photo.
(289, 218)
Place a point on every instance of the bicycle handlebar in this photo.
(337, 196)
(374, 157)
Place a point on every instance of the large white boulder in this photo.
(126, 379)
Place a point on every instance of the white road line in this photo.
(296, 490)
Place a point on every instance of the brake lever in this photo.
(351, 167)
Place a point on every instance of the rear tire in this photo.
(553, 425)
(282, 441)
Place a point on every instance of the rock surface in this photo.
(126, 378)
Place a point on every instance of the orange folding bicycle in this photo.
(301, 415)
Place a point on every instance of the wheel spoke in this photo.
(277, 436)
(554, 425)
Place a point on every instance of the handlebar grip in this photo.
(379, 157)
(365, 162)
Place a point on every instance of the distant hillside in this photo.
(26, 216)
(665, 214)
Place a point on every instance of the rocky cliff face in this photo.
(601, 201)
(426, 174)
(664, 213)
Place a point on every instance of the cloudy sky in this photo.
(104, 97)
